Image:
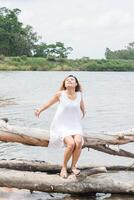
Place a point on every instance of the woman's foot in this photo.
(63, 173)
(75, 171)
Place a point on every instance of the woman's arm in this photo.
(82, 106)
(49, 103)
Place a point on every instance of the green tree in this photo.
(127, 53)
(40, 50)
(108, 53)
(15, 40)
(57, 50)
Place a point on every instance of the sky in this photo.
(88, 26)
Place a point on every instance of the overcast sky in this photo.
(89, 26)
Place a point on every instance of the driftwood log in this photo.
(42, 166)
(91, 180)
(39, 181)
(6, 102)
(40, 137)
(41, 176)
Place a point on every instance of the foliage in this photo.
(127, 53)
(2, 57)
(43, 64)
(15, 40)
(52, 51)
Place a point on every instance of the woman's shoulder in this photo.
(59, 93)
(79, 92)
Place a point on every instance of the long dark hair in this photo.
(77, 88)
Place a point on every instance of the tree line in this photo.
(126, 54)
(18, 40)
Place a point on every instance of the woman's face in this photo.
(70, 82)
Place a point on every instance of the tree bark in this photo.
(112, 182)
(40, 137)
(42, 166)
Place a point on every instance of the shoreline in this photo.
(24, 63)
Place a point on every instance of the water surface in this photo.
(109, 99)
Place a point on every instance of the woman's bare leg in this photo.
(76, 153)
(69, 141)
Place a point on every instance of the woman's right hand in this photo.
(37, 113)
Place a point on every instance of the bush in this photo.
(63, 64)
(51, 58)
(24, 57)
(2, 57)
(16, 59)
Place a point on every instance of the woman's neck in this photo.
(70, 91)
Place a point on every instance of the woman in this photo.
(66, 128)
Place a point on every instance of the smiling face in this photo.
(70, 82)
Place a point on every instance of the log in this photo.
(24, 135)
(27, 165)
(112, 182)
(40, 176)
(103, 142)
(7, 102)
(42, 166)
(31, 175)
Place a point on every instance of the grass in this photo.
(24, 63)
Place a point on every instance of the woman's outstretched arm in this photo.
(82, 106)
(49, 103)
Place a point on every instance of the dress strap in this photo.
(79, 94)
(61, 95)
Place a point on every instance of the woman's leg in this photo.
(76, 153)
(69, 141)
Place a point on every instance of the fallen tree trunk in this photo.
(27, 165)
(40, 137)
(112, 182)
(91, 180)
(7, 102)
(35, 178)
(42, 166)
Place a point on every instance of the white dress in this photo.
(67, 120)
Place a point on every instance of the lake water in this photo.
(109, 99)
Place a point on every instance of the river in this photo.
(109, 99)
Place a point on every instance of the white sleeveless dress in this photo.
(67, 120)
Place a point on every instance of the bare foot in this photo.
(63, 173)
(75, 171)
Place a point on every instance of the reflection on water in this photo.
(109, 98)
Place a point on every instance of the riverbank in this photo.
(24, 63)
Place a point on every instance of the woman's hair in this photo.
(77, 88)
